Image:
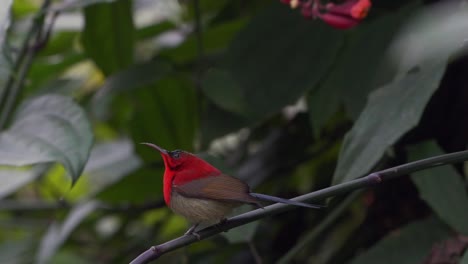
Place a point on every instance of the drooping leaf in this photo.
(108, 163)
(109, 35)
(442, 188)
(49, 128)
(272, 62)
(409, 245)
(58, 233)
(392, 111)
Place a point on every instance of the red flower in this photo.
(343, 16)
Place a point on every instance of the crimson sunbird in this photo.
(203, 194)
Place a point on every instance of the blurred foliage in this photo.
(254, 88)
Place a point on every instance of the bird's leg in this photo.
(220, 223)
(191, 231)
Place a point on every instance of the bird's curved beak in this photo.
(158, 148)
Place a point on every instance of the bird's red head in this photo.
(182, 167)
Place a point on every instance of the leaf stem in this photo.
(370, 180)
(22, 64)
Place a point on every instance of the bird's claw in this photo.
(191, 231)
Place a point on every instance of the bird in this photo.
(202, 194)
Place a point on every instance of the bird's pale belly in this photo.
(200, 210)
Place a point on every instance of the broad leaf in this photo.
(58, 233)
(355, 72)
(48, 129)
(109, 35)
(272, 62)
(108, 163)
(442, 188)
(136, 76)
(13, 179)
(436, 31)
(409, 245)
(392, 110)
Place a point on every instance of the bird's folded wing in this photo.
(221, 187)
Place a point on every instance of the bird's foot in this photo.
(191, 231)
(219, 224)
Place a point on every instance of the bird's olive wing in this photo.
(221, 187)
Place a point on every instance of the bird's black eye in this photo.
(175, 154)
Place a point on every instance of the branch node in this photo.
(154, 249)
(375, 178)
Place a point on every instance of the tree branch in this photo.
(35, 40)
(34, 206)
(374, 178)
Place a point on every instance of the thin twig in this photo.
(22, 64)
(34, 206)
(372, 179)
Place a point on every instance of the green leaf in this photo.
(392, 110)
(57, 233)
(109, 35)
(354, 74)
(172, 121)
(216, 122)
(272, 62)
(13, 179)
(442, 188)
(47, 129)
(232, 97)
(136, 76)
(108, 163)
(409, 245)
(215, 40)
(437, 31)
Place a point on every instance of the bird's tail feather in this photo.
(275, 199)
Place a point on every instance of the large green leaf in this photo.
(165, 114)
(409, 245)
(442, 188)
(272, 62)
(109, 35)
(392, 110)
(435, 31)
(108, 163)
(355, 73)
(136, 76)
(57, 233)
(215, 40)
(47, 129)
